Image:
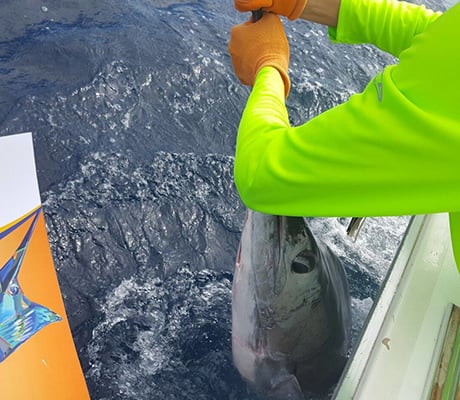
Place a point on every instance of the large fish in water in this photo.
(291, 313)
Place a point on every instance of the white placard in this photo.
(19, 193)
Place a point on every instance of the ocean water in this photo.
(134, 109)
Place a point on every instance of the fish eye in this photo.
(13, 289)
(303, 264)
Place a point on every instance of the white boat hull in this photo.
(399, 351)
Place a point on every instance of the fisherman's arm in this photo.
(386, 151)
(366, 157)
(391, 25)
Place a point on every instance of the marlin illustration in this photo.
(20, 318)
(291, 312)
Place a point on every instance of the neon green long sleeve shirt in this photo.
(391, 150)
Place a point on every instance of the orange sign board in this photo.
(38, 359)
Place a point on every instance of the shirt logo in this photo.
(378, 84)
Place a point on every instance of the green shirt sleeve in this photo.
(390, 150)
(377, 154)
(390, 25)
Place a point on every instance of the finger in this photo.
(251, 5)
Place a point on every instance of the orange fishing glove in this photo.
(289, 8)
(260, 44)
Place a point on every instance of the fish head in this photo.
(278, 257)
(284, 302)
(276, 278)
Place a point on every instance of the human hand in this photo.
(256, 45)
(289, 8)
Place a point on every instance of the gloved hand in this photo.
(256, 45)
(289, 8)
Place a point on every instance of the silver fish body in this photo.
(291, 313)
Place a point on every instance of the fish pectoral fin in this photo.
(284, 386)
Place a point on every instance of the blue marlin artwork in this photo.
(20, 318)
(291, 312)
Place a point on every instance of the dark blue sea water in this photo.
(134, 109)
